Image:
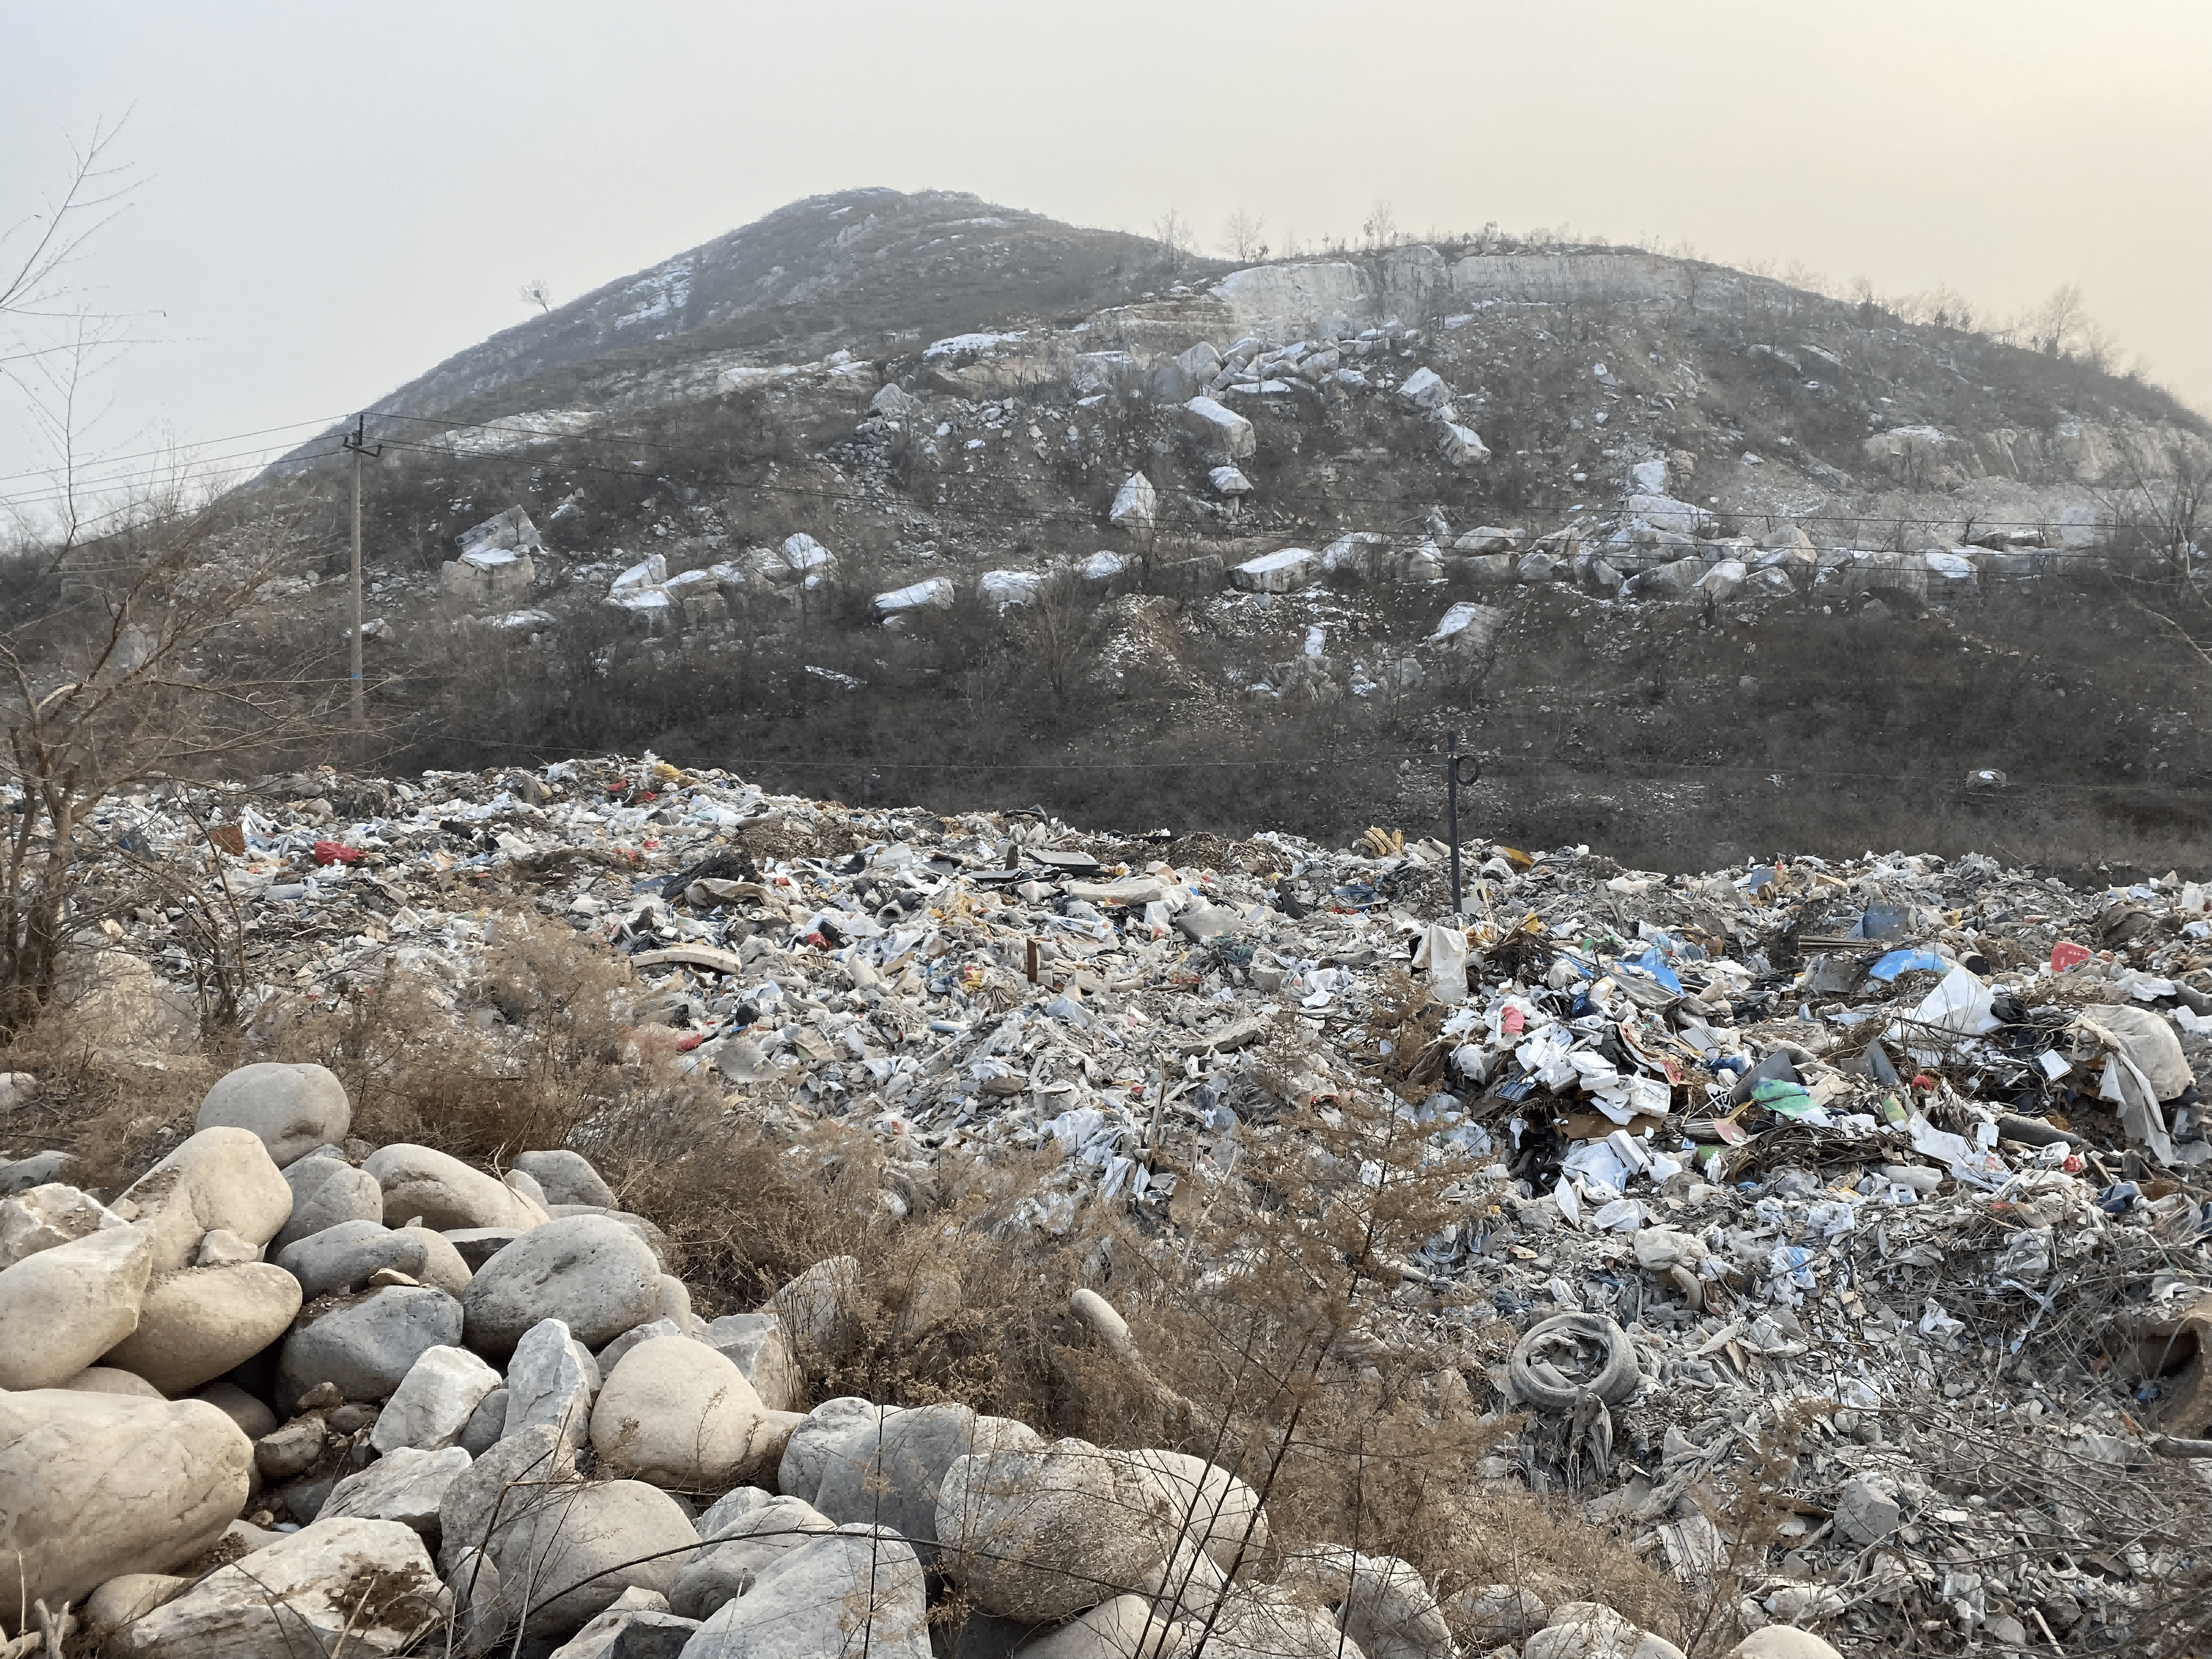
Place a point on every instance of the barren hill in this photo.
(911, 494)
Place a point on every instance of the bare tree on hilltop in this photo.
(1243, 233)
(1172, 231)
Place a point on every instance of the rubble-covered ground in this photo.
(1869, 1193)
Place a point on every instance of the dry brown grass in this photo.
(116, 1114)
(1276, 1371)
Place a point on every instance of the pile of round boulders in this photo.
(290, 1393)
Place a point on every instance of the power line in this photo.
(200, 473)
(231, 438)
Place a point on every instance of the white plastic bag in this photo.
(1445, 951)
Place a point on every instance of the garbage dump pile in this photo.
(1872, 1191)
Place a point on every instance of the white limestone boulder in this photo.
(407, 1486)
(64, 1307)
(595, 1275)
(678, 1415)
(444, 1192)
(194, 1326)
(435, 1400)
(100, 1484)
(292, 1109)
(219, 1178)
(551, 1379)
(368, 1583)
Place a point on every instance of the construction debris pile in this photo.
(1876, 1186)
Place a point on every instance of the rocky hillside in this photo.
(911, 494)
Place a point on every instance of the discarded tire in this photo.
(1537, 1381)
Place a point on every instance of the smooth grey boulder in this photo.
(100, 1485)
(892, 1478)
(857, 1589)
(341, 1258)
(443, 1266)
(566, 1177)
(36, 1171)
(611, 1356)
(756, 1345)
(254, 1416)
(434, 1401)
(655, 1240)
(445, 1193)
(1042, 1536)
(219, 1178)
(367, 1345)
(304, 1175)
(64, 1307)
(344, 1194)
(368, 1584)
(1126, 1627)
(488, 1496)
(1495, 1615)
(194, 1326)
(293, 1108)
(737, 1550)
(637, 1623)
(1382, 1603)
(807, 1453)
(674, 1303)
(406, 1485)
(573, 1547)
(552, 1378)
(591, 1272)
(487, 1424)
(678, 1415)
(719, 1518)
(521, 1181)
(1262, 1622)
(127, 1596)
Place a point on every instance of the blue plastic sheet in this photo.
(1911, 960)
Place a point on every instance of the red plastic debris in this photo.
(331, 852)
(2065, 955)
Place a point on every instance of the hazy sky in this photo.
(333, 197)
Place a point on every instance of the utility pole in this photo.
(1451, 763)
(357, 442)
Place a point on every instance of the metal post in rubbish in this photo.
(1452, 781)
(357, 442)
